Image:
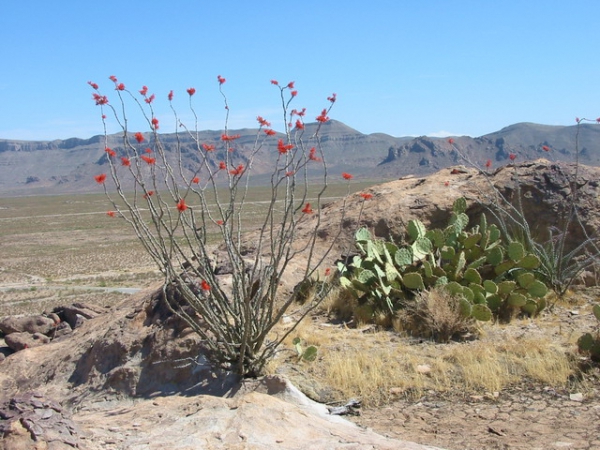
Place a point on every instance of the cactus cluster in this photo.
(493, 279)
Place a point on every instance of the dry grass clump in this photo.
(434, 314)
(380, 366)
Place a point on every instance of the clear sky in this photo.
(400, 67)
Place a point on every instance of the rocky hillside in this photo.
(65, 166)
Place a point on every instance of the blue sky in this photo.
(398, 67)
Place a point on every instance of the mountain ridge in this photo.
(68, 165)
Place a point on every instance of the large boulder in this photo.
(27, 324)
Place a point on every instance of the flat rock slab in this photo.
(252, 420)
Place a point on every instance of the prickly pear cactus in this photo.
(496, 279)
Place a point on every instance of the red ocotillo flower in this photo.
(307, 209)
(101, 178)
(181, 206)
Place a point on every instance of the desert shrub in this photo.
(169, 189)
(435, 314)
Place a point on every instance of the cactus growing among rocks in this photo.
(492, 278)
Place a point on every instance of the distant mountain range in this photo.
(65, 166)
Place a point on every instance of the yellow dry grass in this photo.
(379, 366)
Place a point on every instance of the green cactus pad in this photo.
(441, 281)
(436, 237)
(391, 273)
(495, 256)
(460, 205)
(366, 277)
(506, 287)
(421, 248)
(403, 257)
(454, 288)
(494, 234)
(472, 276)
(494, 302)
(516, 251)
(448, 252)
(481, 312)
(596, 311)
(530, 307)
(586, 342)
(529, 262)
(504, 267)
(490, 287)
(516, 299)
(461, 261)
(459, 222)
(464, 307)
(310, 354)
(525, 279)
(428, 269)
(362, 235)
(468, 294)
(416, 229)
(472, 240)
(413, 281)
(537, 289)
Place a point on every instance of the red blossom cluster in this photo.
(322, 118)
(238, 171)
(191, 91)
(346, 176)
(208, 147)
(148, 159)
(205, 286)
(181, 206)
(195, 180)
(312, 154)
(150, 99)
(221, 79)
(545, 148)
(120, 87)
(170, 96)
(263, 122)
(139, 137)
(333, 98)
(110, 213)
(100, 179)
(155, 123)
(144, 90)
(299, 125)
(125, 161)
(148, 194)
(222, 165)
(270, 132)
(295, 112)
(100, 99)
(229, 138)
(512, 156)
(366, 195)
(488, 163)
(93, 85)
(283, 148)
(110, 152)
(307, 209)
